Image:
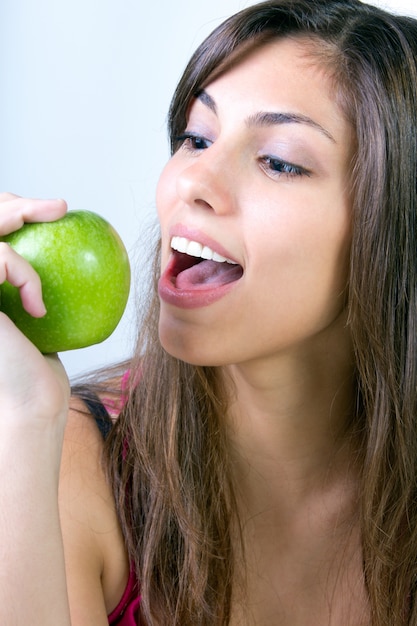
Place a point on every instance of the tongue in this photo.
(208, 273)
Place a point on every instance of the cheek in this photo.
(307, 256)
(165, 191)
(165, 201)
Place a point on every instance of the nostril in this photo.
(203, 203)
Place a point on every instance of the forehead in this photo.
(287, 74)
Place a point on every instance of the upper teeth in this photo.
(194, 248)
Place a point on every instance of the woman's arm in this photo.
(32, 421)
(34, 396)
(62, 555)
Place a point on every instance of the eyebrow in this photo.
(266, 118)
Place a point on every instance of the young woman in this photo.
(259, 464)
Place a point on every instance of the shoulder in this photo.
(96, 562)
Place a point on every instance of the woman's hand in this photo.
(14, 212)
(34, 388)
(27, 379)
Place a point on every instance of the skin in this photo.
(279, 335)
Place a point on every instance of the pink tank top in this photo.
(126, 612)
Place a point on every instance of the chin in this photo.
(185, 347)
(176, 341)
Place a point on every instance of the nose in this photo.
(207, 183)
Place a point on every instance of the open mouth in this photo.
(196, 276)
(195, 266)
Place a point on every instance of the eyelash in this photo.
(189, 142)
(275, 166)
(279, 167)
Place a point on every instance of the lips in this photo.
(196, 275)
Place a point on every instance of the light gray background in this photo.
(85, 89)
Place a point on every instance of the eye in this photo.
(275, 167)
(192, 142)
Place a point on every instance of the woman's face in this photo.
(262, 179)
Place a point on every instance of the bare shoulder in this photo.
(96, 562)
(82, 476)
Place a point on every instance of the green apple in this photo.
(85, 274)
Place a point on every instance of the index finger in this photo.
(15, 211)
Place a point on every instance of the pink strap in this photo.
(113, 407)
(126, 612)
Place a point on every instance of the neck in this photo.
(289, 419)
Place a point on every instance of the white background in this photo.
(85, 89)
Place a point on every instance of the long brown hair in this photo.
(167, 454)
